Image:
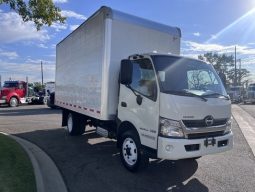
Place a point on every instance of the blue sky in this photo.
(207, 25)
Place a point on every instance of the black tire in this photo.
(194, 158)
(130, 147)
(14, 102)
(75, 124)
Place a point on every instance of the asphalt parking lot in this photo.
(92, 163)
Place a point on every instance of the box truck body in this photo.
(122, 74)
(88, 60)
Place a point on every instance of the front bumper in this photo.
(174, 149)
(3, 101)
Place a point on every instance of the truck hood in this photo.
(192, 108)
(5, 91)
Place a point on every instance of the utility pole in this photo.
(235, 68)
(42, 72)
(239, 75)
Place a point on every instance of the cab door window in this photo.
(143, 79)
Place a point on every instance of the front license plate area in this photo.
(209, 141)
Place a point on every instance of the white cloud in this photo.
(13, 29)
(203, 47)
(197, 34)
(8, 54)
(31, 70)
(59, 26)
(53, 46)
(68, 13)
(73, 27)
(41, 45)
(38, 61)
(60, 1)
(213, 36)
(206, 47)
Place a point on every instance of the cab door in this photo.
(20, 90)
(139, 102)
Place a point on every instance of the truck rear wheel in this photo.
(131, 154)
(13, 102)
(75, 124)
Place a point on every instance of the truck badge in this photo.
(209, 120)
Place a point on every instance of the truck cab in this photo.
(177, 106)
(236, 94)
(250, 94)
(13, 92)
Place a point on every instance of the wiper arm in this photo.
(187, 93)
(217, 94)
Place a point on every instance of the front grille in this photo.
(205, 135)
(201, 123)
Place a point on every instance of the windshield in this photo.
(177, 75)
(10, 84)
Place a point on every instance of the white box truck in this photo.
(122, 74)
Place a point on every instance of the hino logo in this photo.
(209, 120)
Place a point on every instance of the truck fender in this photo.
(123, 127)
(12, 94)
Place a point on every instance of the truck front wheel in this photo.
(75, 124)
(13, 102)
(131, 154)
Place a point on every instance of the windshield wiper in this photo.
(217, 94)
(187, 93)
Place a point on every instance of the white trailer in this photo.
(155, 105)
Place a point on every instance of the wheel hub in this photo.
(129, 151)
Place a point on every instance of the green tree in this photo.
(224, 65)
(38, 86)
(221, 62)
(241, 74)
(41, 12)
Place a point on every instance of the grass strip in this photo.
(16, 171)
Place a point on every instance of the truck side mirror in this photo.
(126, 72)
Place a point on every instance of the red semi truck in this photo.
(14, 93)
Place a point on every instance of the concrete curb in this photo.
(247, 125)
(47, 175)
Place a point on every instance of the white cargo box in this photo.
(88, 60)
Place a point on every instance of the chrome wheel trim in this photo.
(69, 123)
(129, 151)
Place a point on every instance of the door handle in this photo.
(123, 104)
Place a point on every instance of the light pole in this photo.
(239, 75)
(42, 72)
(235, 68)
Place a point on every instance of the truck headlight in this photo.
(170, 128)
(4, 97)
(228, 127)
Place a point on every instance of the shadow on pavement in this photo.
(92, 163)
(23, 112)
